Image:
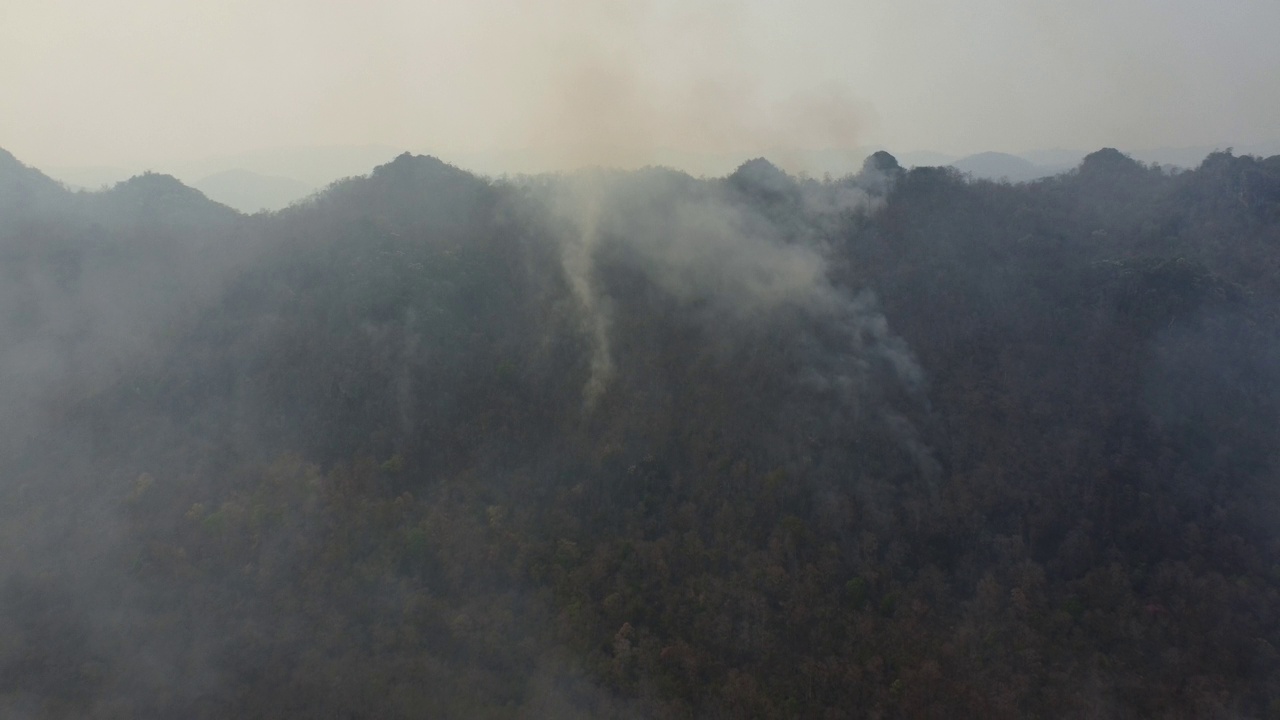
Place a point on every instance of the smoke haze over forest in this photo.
(582, 359)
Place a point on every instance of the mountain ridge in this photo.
(639, 444)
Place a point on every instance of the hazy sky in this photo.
(86, 82)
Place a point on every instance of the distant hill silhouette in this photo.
(1002, 166)
(251, 192)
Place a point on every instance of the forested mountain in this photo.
(635, 444)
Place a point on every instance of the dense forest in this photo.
(903, 444)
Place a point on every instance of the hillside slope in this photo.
(904, 444)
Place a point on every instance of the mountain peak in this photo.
(151, 186)
(880, 161)
(408, 166)
(1109, 160)
(165, 194)
(762, 178)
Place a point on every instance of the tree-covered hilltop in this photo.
(636, 444)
